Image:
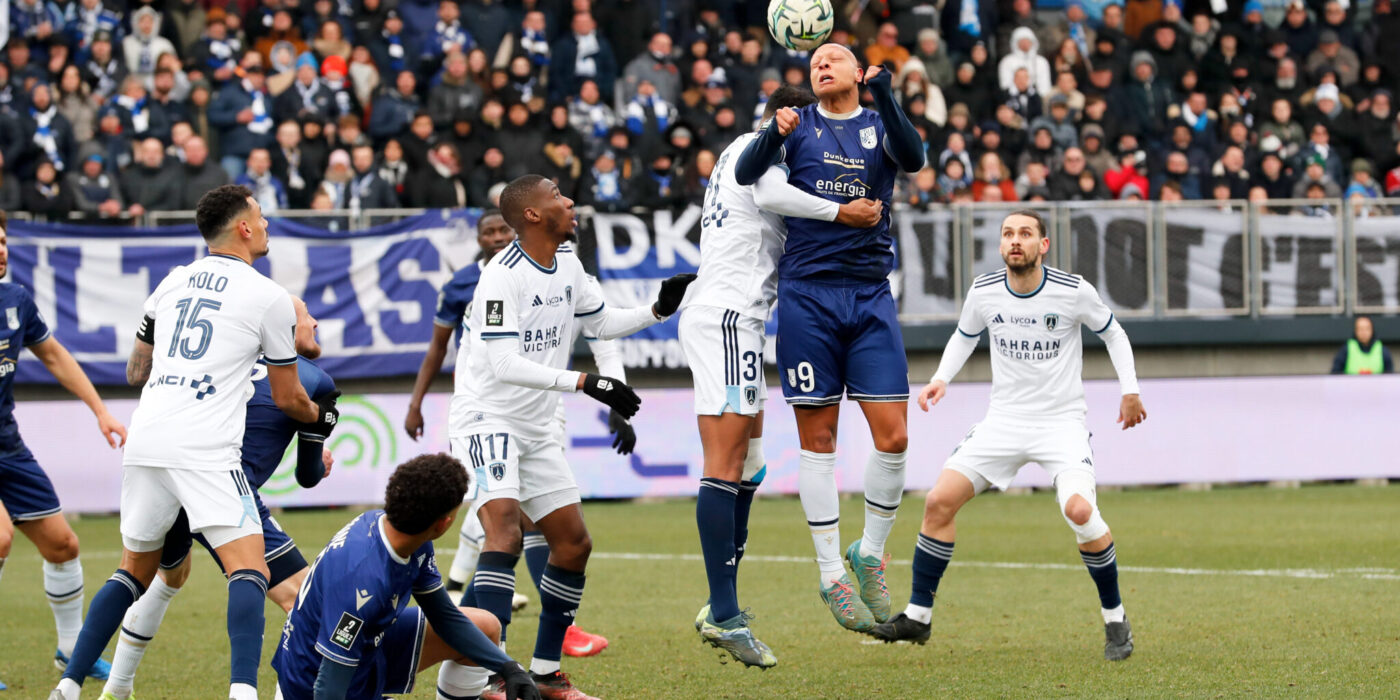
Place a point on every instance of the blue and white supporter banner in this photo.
(373, 291)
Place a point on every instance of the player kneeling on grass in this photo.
(1032, 313)
(351, 634)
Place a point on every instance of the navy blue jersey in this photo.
(355, 591)
(23, 327)
(840, 160)
(269, 430)
(455, 299)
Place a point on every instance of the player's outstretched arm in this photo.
(290, 395)
(432, 364)
(605, 323)
(767, 149)
(332, 681)
(71, 375)
(773, 193)
(464, 637)
(902, 138)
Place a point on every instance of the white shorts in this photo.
(532, 472)
(219, 505)
(724, 349)
(995, 449)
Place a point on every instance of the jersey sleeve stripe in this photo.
(281, 363)
(47, 334)
(970, 335)
(1106, 325)
(488, 335)
(441, 323)
(589, 313)
(342, 660)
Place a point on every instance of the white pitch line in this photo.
(1363, 573)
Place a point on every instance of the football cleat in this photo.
(518, 602)
(846, 606)
(580, 643)
(100, 668)
(739, 642)
(557, 686)
(870, 580)
(1118, 640)
(495, 689)
(701, 616)
(902, 629)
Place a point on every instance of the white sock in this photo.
(540, 667)
(918, 613)
(468, 548)
(458, 681)
(1113, 615)
(242, 691)
(69, 688)
(63, 584)
(884, 487)
(753, 462)
(816, 486)
(138, 627)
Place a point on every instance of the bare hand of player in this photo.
(871, 72)
(414, 423)
(860, 213)
(788, 119)
(932, 394)
(112, 429)
(327, 460)
(1130, 411)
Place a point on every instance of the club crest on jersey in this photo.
(498, 470)
(495, 312)
(1051, 320)
(12, 318)
(867, 137)
(751, 394)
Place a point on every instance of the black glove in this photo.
(624, 437)
(672, 291)
(613, 394)
(327, 415)
(518, 683)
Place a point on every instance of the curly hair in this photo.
(218, 208)
(422, 490)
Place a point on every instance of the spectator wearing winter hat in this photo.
(1092, 140)
(95, 191)
(389, 46)
(1315, 175)
(1298, 29)
(217, 51)
(1127, 171)
(1252, 27)
(1331, 52)
(306, 95)
(1145, 99)
(145, 45)
(930, 50)
(1363, 182)
(1059, 123)
(50, 134)
(46, 196)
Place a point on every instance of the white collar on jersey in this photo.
(832, 115)
(384, 537)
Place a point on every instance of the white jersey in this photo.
(1037, 353)
(739, 244)
(213, 318)
(517, 298)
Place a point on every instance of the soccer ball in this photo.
(801, 25)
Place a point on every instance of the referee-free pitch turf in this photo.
(1236, 592)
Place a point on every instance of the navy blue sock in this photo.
(247, 589)
(494, 585)
(560, 594)
(469, 596)
(715, 518)
(536, 555)
(104, 616)
(931, 558)
(1103, 567)
(742, 504)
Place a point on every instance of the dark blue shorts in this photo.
(840, 340)
(279, 551)
(25, 489)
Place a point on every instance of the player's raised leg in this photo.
(143, 619)
(932, 552)
(1075, 492)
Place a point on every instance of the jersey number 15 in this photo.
(188, 324)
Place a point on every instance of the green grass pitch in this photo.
(1241, 592)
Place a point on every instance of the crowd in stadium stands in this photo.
(112, 108)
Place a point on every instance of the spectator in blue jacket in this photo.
(270, 193)
(38, 21)
(243, 114)
(84, 19)
(394, 108)
(581, 54)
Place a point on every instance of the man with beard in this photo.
(1033, 314)
(198, 175)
